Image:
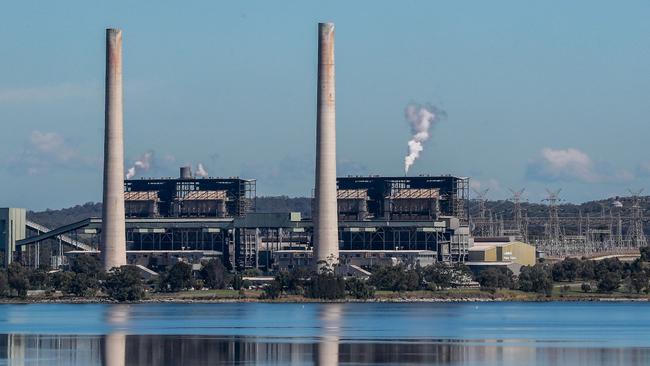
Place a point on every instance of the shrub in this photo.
(585, 287)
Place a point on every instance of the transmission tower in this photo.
(482, 224)
(553, 227)
(516, 199)
(481, 197)
(635, 235)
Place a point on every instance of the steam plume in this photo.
(420, 118)
(142, 164)
(201, 171)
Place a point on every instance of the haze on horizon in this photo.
(536, 95)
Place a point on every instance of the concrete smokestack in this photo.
(113, 241)
(326, 242)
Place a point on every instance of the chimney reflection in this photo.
(327, 352)
(114, 343)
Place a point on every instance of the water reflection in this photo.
(330, 324)
(114, 343)
(120, 349)
(324, 334)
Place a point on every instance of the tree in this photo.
(272, 291)
(607, 265)
(645, 254)
(88, 265)
(535, 279)
(177, 278)
(326, 285)
(496, 277)
(567, 270)
(61, 280)
(83, 285)
(609, 282)
(395, 278)
(213, 274)
(585, 287)
(293, 282)
(359, 289)
(587, 270)
(638, 281)
(438, 275)
(39, 280)
(124, 284)
(237, 281)
(18, 278)
(4, 284)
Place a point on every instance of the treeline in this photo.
(604, 276)
(328, 285)
(85, 277)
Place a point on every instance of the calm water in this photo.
(210, 334)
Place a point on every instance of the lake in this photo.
(556, 333)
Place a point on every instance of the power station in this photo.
(355, 222)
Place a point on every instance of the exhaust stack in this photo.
(113, 240)
(326, 242)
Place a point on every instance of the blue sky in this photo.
(549, 94)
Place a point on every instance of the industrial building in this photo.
(500, 252)
(187, 196)
(217, 215)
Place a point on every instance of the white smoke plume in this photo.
(201, 171)
(421, 118)
(142, 164)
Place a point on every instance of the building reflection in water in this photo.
(333, 344)
(120, 349)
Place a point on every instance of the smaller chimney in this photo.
(186, 172)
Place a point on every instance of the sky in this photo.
(535, 95)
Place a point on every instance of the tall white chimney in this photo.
(113, 236)
(326, 242)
